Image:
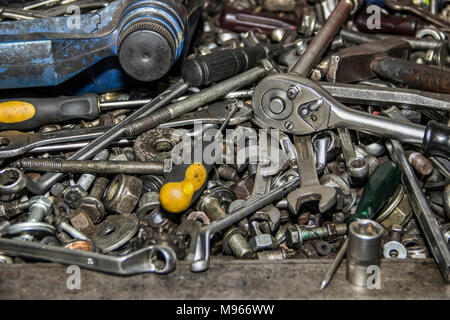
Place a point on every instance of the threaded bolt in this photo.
(10, 209)
(97, 166)
(98, 188)
(74, 233)
(420, 163)
(296, 235)
(86, 180)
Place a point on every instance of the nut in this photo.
(148, 202)
(122, 194)
(81, 221)
(93, 207)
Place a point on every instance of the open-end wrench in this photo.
(140, 261)
(263, 180)
(310, 187)
(357, 167)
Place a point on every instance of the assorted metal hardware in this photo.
(182, 130)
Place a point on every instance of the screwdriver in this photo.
(30, 113)
(377, 191)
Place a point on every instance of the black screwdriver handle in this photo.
(437, 139)
(30, 113)
(224, 64)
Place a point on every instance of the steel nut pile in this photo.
(157, 131)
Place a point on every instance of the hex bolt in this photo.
(227, 172)
(420, 163)
(234, 240)
(73, 194)
(40, 207)
(91, 209)
(260, 241)
(10, 209)
(123, 194)
(296, 235)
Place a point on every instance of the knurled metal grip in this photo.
(148, 36)
(220, 65)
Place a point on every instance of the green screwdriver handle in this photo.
(377, 191)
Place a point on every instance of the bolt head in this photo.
(93, 207)
(81, 221)
(293, 237)
(123, 194)
(72, 195)
(261, 242)
(41, 201)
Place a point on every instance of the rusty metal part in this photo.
(96, 166)
(156, 144)
(420, 163)
(413, 74)
(398, 211)
(353, 64)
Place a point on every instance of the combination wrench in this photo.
(140, 261)
(310, 187)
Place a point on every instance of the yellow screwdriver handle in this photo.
(176, 197)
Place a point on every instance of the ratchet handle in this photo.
(224, 64)
(436, 140)
(30, 113)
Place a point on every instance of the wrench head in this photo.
(326, 196)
